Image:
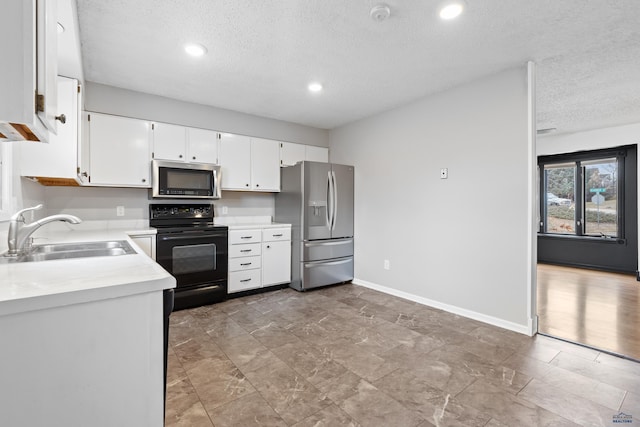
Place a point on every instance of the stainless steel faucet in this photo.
(19, 232)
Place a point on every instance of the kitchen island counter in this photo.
(37, 285)
(83, 338)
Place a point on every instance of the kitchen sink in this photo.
(72, 250)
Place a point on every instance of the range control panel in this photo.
(181, 211)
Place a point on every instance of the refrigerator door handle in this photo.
(325, 263)
(329, 207)
(334, 205)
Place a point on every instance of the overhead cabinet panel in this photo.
(265, 165)
(203, 145)
(57, 161)
(250, 164)
(120, 151)
(169, 142)
(235, 162)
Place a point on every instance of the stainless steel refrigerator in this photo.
(317, 199)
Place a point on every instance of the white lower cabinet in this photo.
(146, 242)
(259, 257)
(244, 260)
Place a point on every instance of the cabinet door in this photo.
(120, 151)
(58, 158)
(265, 165)
(47, 63)
(235, 161)
(291, 153)
(276, 262)
(316, 154)
(203, 145)
(169, 142)
(147, 243)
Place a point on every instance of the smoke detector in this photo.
(380, 12)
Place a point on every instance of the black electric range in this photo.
(193, 250)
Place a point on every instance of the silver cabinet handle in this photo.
(245, 280)
(246, 237)
(277, 235)
(246, 263)
(245, 250)
(62, 118)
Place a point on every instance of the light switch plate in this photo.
(119, 210)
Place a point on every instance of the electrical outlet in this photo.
(119, 210)
(444, 173)
(387, 265)
(225, 210)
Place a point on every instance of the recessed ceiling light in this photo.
(60, 28)
(451, 10)
(315, 87)
(195, 49)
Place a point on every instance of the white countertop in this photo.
(45, 284)
(248, 222)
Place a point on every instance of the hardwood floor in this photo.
(594, 308)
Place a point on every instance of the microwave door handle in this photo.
(215, 183)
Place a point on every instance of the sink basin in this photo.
(72, 250)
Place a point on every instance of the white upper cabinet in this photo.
(203, 145)
(28, 87)
(265, 165)
(119, 151)
(184, 144)
(235, 161)
(58, 160)
(291, 153)
(316, 154)
(169, 142)
(251, 164)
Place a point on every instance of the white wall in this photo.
(460, 243)
(588, 140)
(99, 203)
(111, 100)
(592, 140)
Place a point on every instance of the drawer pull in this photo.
(245, 280)
(246, 250)
(246, 237)
(246, 263)
(277, 235)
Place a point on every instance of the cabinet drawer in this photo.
(244, 280)
(251, 249)
(244, 236)
(275, 234)
(244, 263)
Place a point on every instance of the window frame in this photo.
(619, 153)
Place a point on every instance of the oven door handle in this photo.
(188, 236)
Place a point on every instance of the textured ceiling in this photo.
(262, 54)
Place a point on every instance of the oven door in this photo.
(195, 258)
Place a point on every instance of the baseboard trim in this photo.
(529, 329)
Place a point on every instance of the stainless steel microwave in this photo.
(185, 180)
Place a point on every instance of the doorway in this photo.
(588, 249)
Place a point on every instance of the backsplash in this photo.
(100, 203)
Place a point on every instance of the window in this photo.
(581, 194)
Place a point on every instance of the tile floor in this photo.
(351, 356)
